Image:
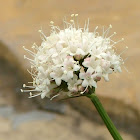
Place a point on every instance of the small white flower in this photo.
(91, 63)
(74, 83)
(57, 75)
(71, 61)
(88, 78)
(69, 67)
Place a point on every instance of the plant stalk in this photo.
(109, 124)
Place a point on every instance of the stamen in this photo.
(72, 21)
(68, 24)
(95, 29)
(84, 90)
(28, 58)
(72, 15)
(107, 31)
(21, 90)
(54, 96)
(87, 28)
(31, 73)
(126, 69)
(29, 51)
(57, 27)
(51, 22)
(76, 15)
(34, 46)
(123, 51)
(29, 90)
(40, 31)
(28, 86)
(30, 93)
(34, 95)
(64, 24)
(73, 25)
(24, 85)
(103, 32)
(112, 35)
(65, 21)
(117, 42)
(110, 26)
(33, 65)
(120, 40)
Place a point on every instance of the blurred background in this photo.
(76, 119)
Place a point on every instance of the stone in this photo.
(58, 107)
(18, 119)
(6, 111)
(43, 125)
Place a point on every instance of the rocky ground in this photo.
(42, 125)
(21, 118)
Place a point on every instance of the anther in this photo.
(96, 27)
(30, 93)
(51, 22)
(72, 15)
(110, 26)
(112, 35)
(21, 90)
(24, 85)
(71, 20)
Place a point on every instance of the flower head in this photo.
(71, 60)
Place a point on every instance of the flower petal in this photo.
(70, 74)
(82, 75)
(93, 83)
(85, 83)
(106, 77)
(76, 67)
(58, 81)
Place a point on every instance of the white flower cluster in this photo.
(71, 60)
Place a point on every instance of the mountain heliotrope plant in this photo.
(71, 61)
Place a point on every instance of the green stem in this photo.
(109, 124)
